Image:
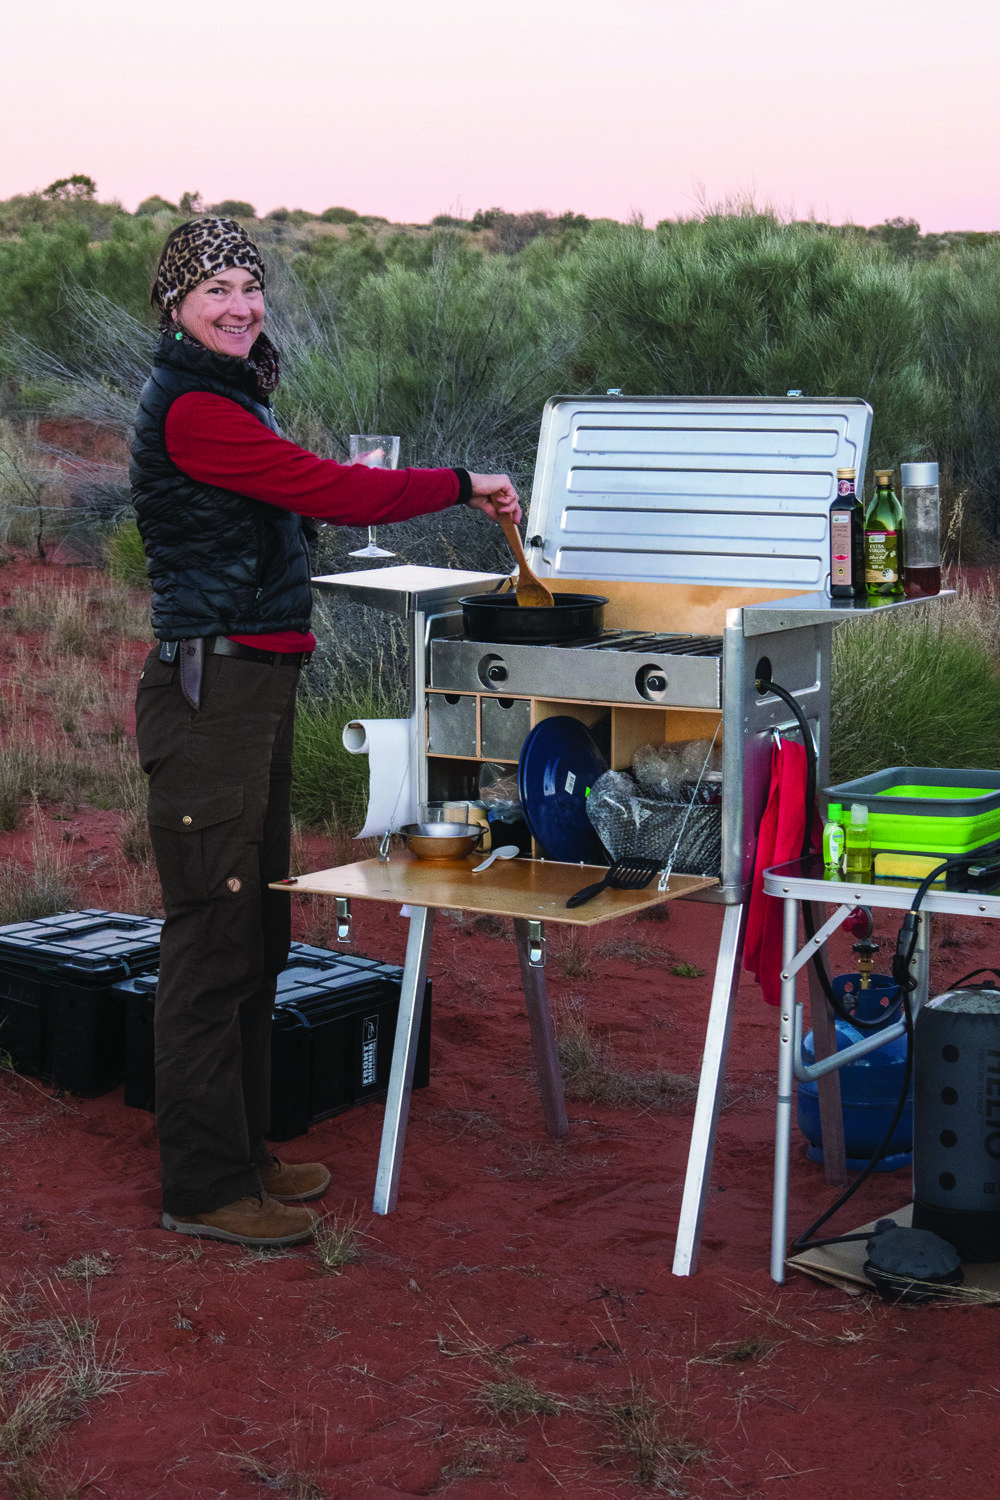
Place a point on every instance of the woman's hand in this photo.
(494, 495)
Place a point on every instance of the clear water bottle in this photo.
(921, 529)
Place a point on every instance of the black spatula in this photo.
(624, 875)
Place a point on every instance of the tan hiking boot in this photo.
(257, 1221)
(292, 1182)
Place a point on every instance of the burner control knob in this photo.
(652, 683)
(492, 671)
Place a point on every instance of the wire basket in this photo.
(687, 836)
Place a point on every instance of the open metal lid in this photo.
(678, 489)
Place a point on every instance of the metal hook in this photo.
(345, 922)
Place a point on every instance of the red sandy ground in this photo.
(510, 1257)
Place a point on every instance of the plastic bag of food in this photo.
(498, 791)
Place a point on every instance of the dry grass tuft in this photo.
(569, 956)
(753, 1349)
(338, 1242)
(86, 1268)
(39, 1478)
(591, 1071)
(629, 949)
(516, 1396)
(51, 1367)
(48, 887)
(651, 1436)
(77, 619)
(292, 1481)
(479, 1456)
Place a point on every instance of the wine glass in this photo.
(376, 453)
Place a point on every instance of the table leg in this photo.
(710, 1085)
(543, 1040)
(404, 1055)
(783, 1125)
(831, 1116)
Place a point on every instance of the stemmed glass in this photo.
(377, 453)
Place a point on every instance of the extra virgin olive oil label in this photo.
(881, 556)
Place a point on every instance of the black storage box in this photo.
(61, 1017)
(331, 1037)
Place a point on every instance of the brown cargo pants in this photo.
(219, 820)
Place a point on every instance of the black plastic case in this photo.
(331, 1038)
(61, 1016)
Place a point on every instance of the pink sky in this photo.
(859, 110)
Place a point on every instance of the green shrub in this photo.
(917, 689)
(126, 556)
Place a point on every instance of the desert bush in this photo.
(960, 309)
(42, 272)
(233, 208)
(459, 357)
(739, 304)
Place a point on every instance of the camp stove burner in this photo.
(620, 666)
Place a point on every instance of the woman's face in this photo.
(224, 313)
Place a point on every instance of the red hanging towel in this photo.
(779, 840)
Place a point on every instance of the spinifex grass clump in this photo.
(918, 688)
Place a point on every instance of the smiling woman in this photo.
(220, 498)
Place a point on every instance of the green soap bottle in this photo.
(833, 839)
(858, 843)
(884, 539)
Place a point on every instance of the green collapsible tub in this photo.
(921, 810)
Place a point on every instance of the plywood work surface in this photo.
(532, 888)
(687, 607)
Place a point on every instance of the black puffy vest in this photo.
(220, 563)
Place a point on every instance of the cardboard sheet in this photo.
(840, 1266)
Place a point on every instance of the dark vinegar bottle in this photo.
(847, 540)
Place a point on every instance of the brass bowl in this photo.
(442, 841)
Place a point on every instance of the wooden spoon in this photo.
(530, 590)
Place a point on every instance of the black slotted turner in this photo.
(623, 875)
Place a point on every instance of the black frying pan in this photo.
(499, 617)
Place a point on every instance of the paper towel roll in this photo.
(392, 770)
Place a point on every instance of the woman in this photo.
(219, 496)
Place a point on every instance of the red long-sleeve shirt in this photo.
(215, 441)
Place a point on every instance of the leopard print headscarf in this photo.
(194, 252)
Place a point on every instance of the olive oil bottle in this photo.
(883, 539)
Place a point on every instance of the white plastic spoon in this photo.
(507, 851)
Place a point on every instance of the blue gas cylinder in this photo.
(869, 1086)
